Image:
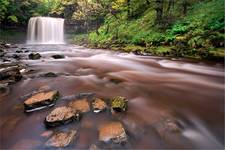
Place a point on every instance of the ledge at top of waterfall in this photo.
(45, 30)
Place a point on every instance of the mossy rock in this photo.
(119, 104)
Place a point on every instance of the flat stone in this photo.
(98, 105)
(60, 116)
(119, 104)
(40, 100)
(61, 139)
(58, 56)
(80, 105)
(114, 132)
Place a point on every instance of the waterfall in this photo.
(45, 30)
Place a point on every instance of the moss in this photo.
(119, 104)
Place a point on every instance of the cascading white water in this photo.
(45, 30)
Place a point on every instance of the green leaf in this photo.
(12, 18)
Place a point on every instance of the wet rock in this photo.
(50, 75)
(80, 105)
(58, 56)
(2, 53)
(34, 56)
(15, 56)
(11, 74)
(60, 116)
(41, 100)
(114, 132)
(61, 139)
(98, 105)
(119, 104)
(19, 51)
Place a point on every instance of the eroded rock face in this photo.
(60, 116)
(34, 56)
(114, 132)
(98, 105)
(61, 139)
(119, 104)
(81, 105)
(40, 100)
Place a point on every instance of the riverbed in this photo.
(157, 89)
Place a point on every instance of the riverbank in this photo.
(173, 50)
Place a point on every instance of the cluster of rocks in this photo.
(10, 73)
(112, 131)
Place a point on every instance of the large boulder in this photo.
(119, 104)
(98, 105)
(114, 132)
(61, 139)
(81, 105)
(60, 116)
(41, 100)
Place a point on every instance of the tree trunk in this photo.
(171, 4)
(159, 11)
(128, 9)
(185, 5)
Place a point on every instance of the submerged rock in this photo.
(50, 75)
(15, 56)
(4, 89)
(34, 56)
(98, 105)
(61, 139)
(94, 147)
(114, 132)
(80, 105)
(41, 100)
(60, 116)
(58, 56)
(168, 126)
(119, 104)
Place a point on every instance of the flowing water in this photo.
(158, 88)
(45, 30)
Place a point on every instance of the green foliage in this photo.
(3, 8)
(12, 18)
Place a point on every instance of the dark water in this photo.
(157, 89)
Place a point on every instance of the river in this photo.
(157, 88)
